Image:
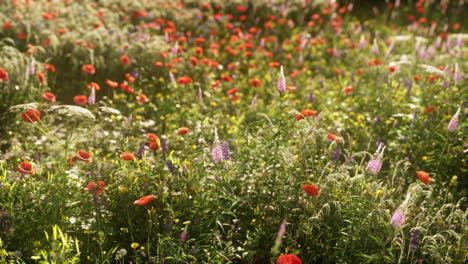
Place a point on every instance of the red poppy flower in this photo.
(126, 88)
(183, 130)
(7, 25)
(423, 177)
(84, 156)
(289, 259)
(48, 96)
(26, 167)
(142, 98)
(348, 90)
(127, 156)
(125, 60)
(94, 85)
(49, 68)
(184, 80)
(255, 82)
(144, 200)
(429, 109)
(3, 75)
(129, 78)
(226, 78)
(194, 61)
(112, 83)
(89, 69)
(31, 115)
(333, 137)
(291, 88)
(232, 91)
(152, 137)
(311, 189)
(70, 161)
(80, 99)
(41, 77)
(305, 113)
(96, 188)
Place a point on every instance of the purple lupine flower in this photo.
(173, 79)
(362, 42)
(92, 97)
(183, 236)
(375, 49)
(32, 67)
(392, 45)
(254, 102)
(164, 144)
(171, 167)
(281, 84)
(311, 97)
(5, 224)
(336, 155)
(200, 94)
(217, 152)
(37, 156)
(398, 218)
(375, 164)
(453, 124)
(414, 240)
(226, 152)
(141, 151)
(135, 73)
(456, 75)
(175, 48)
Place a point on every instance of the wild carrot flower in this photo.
(31, 115)
(144, 200)
(26, 167)
(281, 85)
(375, 164)
(84, 156)
(289, 259)
(453, 124)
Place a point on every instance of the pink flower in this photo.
(453, 124)
(398, 218)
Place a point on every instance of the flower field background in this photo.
(233, 131)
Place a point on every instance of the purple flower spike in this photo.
(453, 124)
(398, 218)
(281, 85)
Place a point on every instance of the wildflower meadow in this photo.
(240, 131)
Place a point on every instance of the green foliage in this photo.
(212, 209)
